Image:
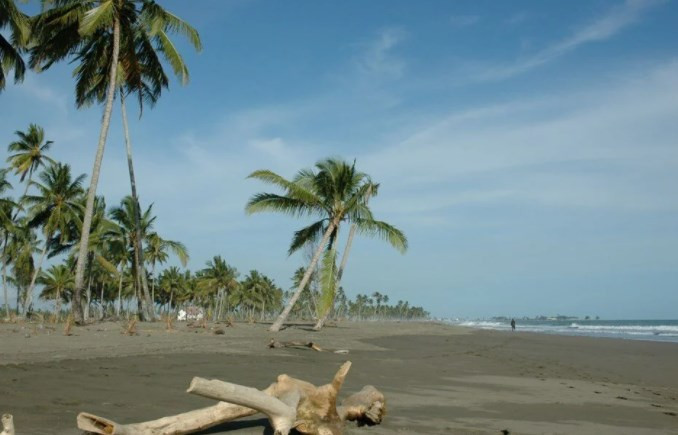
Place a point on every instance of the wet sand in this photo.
(436, 378)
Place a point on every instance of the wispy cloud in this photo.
(461, 21)
(605, 27)
(378, 58)
(606, 148)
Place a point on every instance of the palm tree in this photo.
(22, 245)
(57, 284)
(54, 209)
(29, 153)
(132, 31)
(172, 282)
(259, 291)
(124, 215)
(157, 253)
(219, 280)
(6, 229)
(10, 52)
(66, 28)
(335, 193)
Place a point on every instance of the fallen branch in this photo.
(7, 425)
(289, 403)
(274, 344)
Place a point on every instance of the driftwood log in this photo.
(274, 344)
(288, 403)
(7, 425)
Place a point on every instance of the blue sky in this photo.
(528, 149)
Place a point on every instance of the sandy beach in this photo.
(437, 378)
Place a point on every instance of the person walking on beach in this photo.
(513, 324)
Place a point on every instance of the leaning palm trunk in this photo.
(4, 275)
(117, 309)
(57, 306)
(344, 259)
(29, 294)
(147, 302)
(307, 275)
(76, 305)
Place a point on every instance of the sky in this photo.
(529, 150)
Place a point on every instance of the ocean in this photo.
(652, 330)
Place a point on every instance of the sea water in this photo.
(654, 330)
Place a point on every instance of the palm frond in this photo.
(384, 231)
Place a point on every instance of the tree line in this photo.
(121, 48)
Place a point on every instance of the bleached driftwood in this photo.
(367, 407)
(289, 403)
(186, 423)
(7, 425)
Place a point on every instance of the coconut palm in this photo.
(29, 153)
(259, 291)
(57, 284)
(23, 243)
(54, 208)
(6, 228)
(218, 280)
(10, 51)
(116, 44)
(335, 193)
(172, 283)
(140, 72)
(124, 215)
(157, 252)
(67, 28)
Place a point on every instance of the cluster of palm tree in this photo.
(46, 221)
(376, 307)
(118, 47)
(335, 193)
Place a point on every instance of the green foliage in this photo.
(328, 282)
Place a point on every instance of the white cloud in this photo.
(605, 27)
(608, 148)
(378, 59)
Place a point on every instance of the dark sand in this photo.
(437, 378)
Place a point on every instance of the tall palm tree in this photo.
(141, 73)
(6, 229)
(10, 51)
(65, 28)
(335, 193)
(54, 208)
(108, 37)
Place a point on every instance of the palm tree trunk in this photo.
(4, 274)
(76, 305)
(57, 306)
(117, 311)
(31, 287)
(89, 296)
(307, 275)
(147, 301)
(344, 259)
(153, 288)
(101, 300)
